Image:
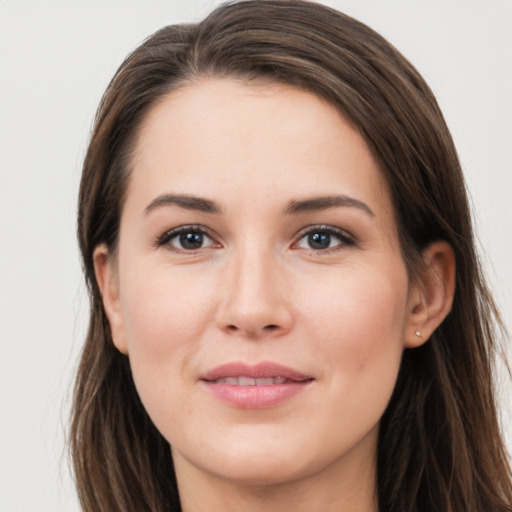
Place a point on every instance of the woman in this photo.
(287, 312)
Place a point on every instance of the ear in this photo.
(107, 279)
(431, 298)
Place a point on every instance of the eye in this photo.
(322, 238)
(186, 238)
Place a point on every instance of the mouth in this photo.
(262, 374)
(255, 387)
(250, 381)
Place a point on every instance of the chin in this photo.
(265, 470)
(250, 458)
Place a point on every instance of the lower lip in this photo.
(256, 397)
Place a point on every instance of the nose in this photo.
(256, 301)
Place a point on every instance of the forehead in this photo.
(217, 137)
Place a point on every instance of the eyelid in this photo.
(164, 238)
(346, 238)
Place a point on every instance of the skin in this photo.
(257, 291)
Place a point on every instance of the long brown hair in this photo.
(440, 447)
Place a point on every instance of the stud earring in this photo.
(418, 333)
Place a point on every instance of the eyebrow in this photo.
(185, 201)
(324, 203)
(295, 207)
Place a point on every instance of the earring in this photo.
(418, 333)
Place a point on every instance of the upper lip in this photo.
(264, 369)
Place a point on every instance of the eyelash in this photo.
(346, 240)
(166, 238)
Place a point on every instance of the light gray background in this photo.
(56, 58)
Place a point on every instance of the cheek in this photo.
(359, 327)
(164, 310)
(165, 318)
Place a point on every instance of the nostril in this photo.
(267, 328)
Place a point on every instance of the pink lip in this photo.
(255, 397)
(264, 369)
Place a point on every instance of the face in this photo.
(258, 287)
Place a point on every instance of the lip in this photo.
(255, 396)
(261, 370)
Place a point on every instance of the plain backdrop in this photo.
(56, 57)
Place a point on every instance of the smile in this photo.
(250, 381)
(255, 387)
